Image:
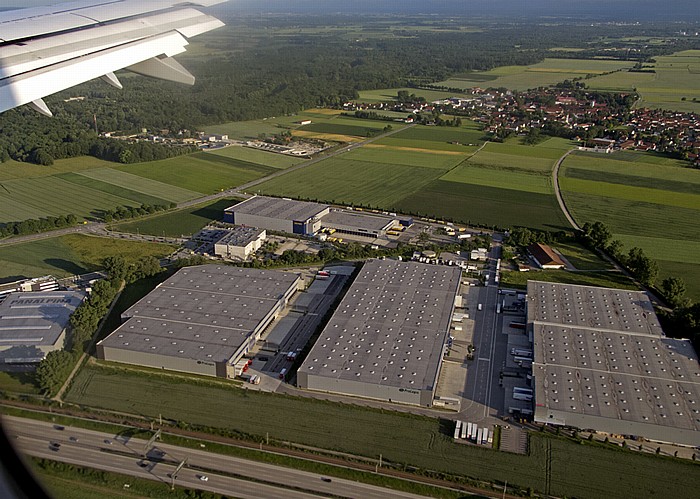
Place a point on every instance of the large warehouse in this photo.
(278, 214)
(358, 224)
(34, 324)
(601, 362)
(386, 339)
(201, 320)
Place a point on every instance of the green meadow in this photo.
(67, 255)
(647, 200)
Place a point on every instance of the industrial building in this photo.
(278, 214)
(359, 224)
(387, 338)
(34, 324)
(602, 362)
(239, 242)
(202, 320)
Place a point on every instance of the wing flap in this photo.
(34, 85)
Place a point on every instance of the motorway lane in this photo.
(123, 454)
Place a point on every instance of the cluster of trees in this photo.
(56, 367)
(29, 137)
(370, 115)
(522, 236)
(125, 212)
(597, 236)
(34, 225)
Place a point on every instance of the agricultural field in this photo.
(87, 186)
(545, 73)
(399, 437)
(201, 173)
(177, 223)
(427, 171)
(389, 94)
(78, 254)
(647, 201)
(674, 85)
(256, 156)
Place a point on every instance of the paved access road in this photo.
(225, 475)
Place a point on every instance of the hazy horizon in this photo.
(617, 10)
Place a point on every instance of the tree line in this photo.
(53, 371)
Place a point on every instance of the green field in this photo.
(515, 279)
(180, 222)
(673, 85)
(545, 73)
(68, 255)
(200, 172)
(87, 186)
(490, 206)
(346, 181)
(257, 156)
(422, 171)
(647, 201)
(399, 437)
(388, 94)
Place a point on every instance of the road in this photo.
(226, 474)
(557, 190)
(482, 374)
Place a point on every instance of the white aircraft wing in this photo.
(45, 50)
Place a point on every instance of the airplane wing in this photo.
(45, 50)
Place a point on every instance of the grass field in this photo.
(647, 200)
(515, 279)
(422, 171)
(673, 86)
(491, 206)
(545, 73)
(68, 255)
(87, 186)
(347, 181)
(180, 222)
(201, 173)
(388, 94)
(399, 437)
(257, 156)
(581, 257)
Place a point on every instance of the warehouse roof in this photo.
(280, 208)
(600, 353)
(241, 236)
(204, 312)
(391, 326)
(353, 220)
(36, 318)
(591, 307)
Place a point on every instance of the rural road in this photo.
(557, 190)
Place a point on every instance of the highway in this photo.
(227, 475)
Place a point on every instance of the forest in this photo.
(270, 66)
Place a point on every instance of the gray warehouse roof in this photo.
(390, 327)
(279, 208)
(204, 312)
(600, 353)
(36, 318)
(352, 220)
(591, 307)
(241, 236)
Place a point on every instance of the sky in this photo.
(645, 10)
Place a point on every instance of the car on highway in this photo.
(73, 438)
(204, 478)
(107, 441)
(54, 446)
(326, 479)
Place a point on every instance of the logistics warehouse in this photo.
(307, 219)
(602, 361)
(202, 320)
(387, 338)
